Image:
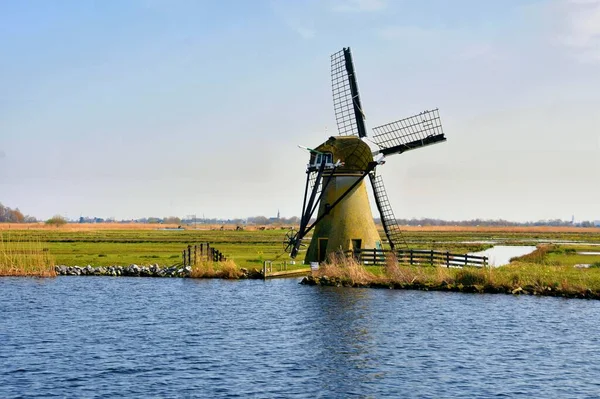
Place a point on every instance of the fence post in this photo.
(183, 254)
(447, 258)
(485, 258)
(195, 253)
(264, 270)
(466, 260)
(189, 255)
(411, 257)
(431, 257)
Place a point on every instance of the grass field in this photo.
(123, 244)
(516, 278)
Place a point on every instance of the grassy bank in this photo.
(145, 244)
(516, 278)
(24, 258)
(208, 269)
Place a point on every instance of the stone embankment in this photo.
(468, 288)
(139, 271)
(131, 270)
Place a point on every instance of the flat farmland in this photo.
(123, 244)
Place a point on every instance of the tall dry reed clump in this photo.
(25, 258)
(345, 268)
(209, 269)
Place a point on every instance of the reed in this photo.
(209, 269)
(25, 258)
(536, 278)
(345, 268)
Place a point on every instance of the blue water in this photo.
(142, 337)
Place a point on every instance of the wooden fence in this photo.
(418, 257)
(201, 252)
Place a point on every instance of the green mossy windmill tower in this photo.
(336, 172)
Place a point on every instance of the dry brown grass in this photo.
(504, 229)
(128, 226)
(84, 226)
(345, 268)
(25, 259)
(154, 226)
(527, 277)
(209, 269)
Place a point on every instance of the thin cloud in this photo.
(579, 28)
(305, 33)
(406, 33)
(359, 5)
(299, 18)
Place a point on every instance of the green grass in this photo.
(531, 277)
(250, 248)
(561, 255)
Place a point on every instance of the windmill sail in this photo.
(390, 224)
(346, 101)
(409, 133)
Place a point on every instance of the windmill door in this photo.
(322, 247)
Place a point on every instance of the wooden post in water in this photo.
(264, 270)
(183, 254)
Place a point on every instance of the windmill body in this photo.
(350, 225)
(335, 175)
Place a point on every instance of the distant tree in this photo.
(258, 220)
(172, 220)
(17, 216)
(13, 215)
(56, 220)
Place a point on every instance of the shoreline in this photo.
(154, 271)
(453, 287)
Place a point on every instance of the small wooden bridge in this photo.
(378, 257)
(201, 252)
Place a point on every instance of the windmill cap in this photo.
(354, 153)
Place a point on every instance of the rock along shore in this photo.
(481, 289)
(134, 270)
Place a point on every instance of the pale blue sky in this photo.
(155, 107)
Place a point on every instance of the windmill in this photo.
(336, 172)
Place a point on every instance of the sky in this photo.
(139, 108)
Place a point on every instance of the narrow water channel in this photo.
(500, 255)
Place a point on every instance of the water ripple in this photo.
(133, 337)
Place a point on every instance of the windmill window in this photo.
(326, 157)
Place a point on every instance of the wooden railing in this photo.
(418, 257)
(201, 252)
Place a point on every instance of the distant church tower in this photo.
(278, 214)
